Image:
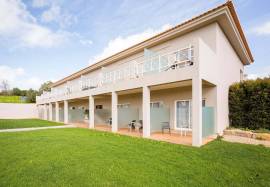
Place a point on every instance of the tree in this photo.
(31, 95)
(16, 91)
(4, 87)
(46, 86)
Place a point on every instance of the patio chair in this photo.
(141, 127)
(109, 121)
(184, 130)
(132, 125)
(164, 126)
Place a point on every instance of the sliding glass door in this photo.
(183, 114)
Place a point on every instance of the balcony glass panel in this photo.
(126, 115)
(157, 117)
(208, 121)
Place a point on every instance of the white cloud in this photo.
(17, 77)
(51, 14)
(32, 82)
(259, 73)
(55, 14)
(86, 42)
(10, 74)
(120, 43)
(252, 76)
(255, 76)
(19, 26)
(263, 29)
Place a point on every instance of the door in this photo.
(183, 114)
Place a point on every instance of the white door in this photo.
(183, 114)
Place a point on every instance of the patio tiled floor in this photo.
(106, 128)
(174, 137)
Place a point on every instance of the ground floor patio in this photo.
(174, 137)
(169, 112)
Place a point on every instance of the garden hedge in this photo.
(249, 104)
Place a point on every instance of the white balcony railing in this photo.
(150, 64)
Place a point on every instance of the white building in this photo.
(179, 78)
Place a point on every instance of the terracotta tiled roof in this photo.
(228, 4)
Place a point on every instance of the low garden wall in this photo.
(18, 111)
(247, 134)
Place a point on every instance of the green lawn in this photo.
(11, 99)
(24, 123)
(82, 157)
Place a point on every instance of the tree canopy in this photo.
(30, 94)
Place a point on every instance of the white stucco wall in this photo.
(220, 65)
(229, 72)
(18, 111)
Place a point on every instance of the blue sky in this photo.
(44, 40)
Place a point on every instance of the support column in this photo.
(114, 112)
(91, 112)
(222, 112)
(196, 111)
(146, 111)
(45, 112)
(56, 111)
(50, 112)
(66, 112)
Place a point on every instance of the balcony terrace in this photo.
(151, 63)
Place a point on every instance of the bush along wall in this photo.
(249, 104)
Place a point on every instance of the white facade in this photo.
(192, 62)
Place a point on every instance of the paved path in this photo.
(239, 139)
(37, 128)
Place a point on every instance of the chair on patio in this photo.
(109, 121)
(141, 127)
(184, 130)
(164, 126)
(132, 125)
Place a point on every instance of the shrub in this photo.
(249, 104)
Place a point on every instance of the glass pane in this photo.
(182, 114)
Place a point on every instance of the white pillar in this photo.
(196, 111)
(114, 112)
(222, 113)
(56, 111)
(45, 112)
(91, 112)
(146, 111)
(50, 112)
(66, 112)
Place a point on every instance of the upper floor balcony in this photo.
(151, 63)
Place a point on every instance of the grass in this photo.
(11, 99)
(24, 123)
(82, 157)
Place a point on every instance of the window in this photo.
(241, 75)
(72, 108)
(124, 105)
(99, 106)
(156, 104)
(203, 103)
